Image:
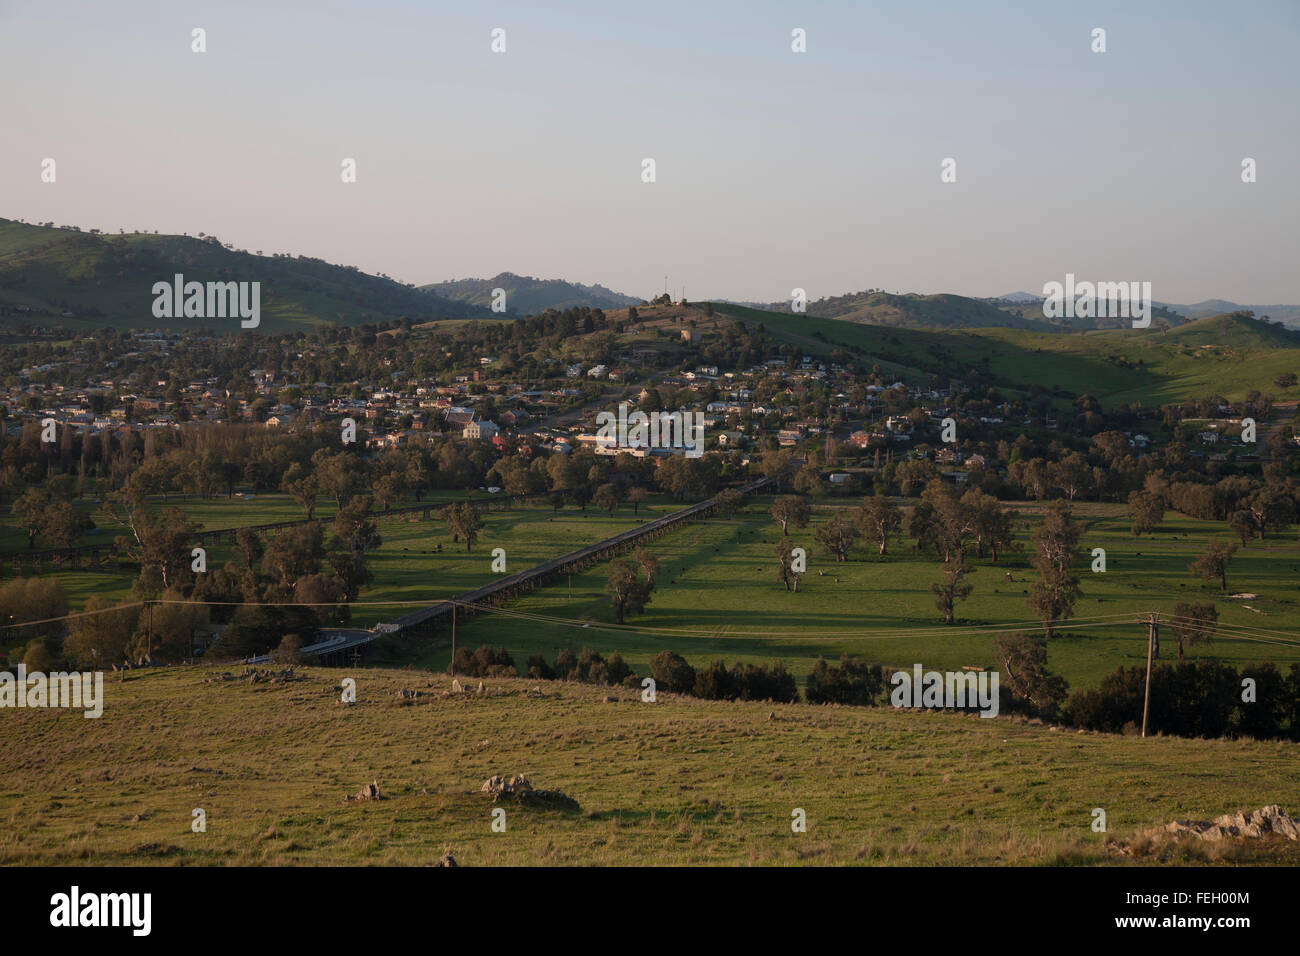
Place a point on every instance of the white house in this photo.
(480, 430)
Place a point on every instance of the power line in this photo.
(1227, 632)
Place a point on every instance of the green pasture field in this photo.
(718, 597)
(678, 781)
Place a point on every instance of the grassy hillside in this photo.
(57, 277)
(528, 296)
(942, 311)
(673, 782)
(1287, 314)
(1228, 355)
(1234, 331)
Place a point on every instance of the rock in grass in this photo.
(518, 790)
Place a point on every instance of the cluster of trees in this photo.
(204, 462)
(289, 582)
(483, 661)
(670, 671)
(946, 522)
(716, 681)
(23, 602)
(741, 681)
(582, 477)
(1251, 507)
(954, 526)
(313, 467)
(853, 682)
(1110, 468)
(1191, 699)
(587, 667)
(1194, 699)
(46, 511)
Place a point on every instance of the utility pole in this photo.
(1153, 630)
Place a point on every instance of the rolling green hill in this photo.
(1227, 355)
(942, 311)
(1235, 331)
(1286, 314)
(528, 296)
(60, 277)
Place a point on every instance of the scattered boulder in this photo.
(455, 687)
(518, 790)
(1271, 819)
(369, 792)
(256, 675)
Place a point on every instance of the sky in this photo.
(774, 170)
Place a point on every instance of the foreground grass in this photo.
(680, 781)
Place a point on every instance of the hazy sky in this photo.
(774, 169)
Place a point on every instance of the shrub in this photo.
(713, 682)
(37, 657)
(538, 669)
(613, 671)
(746, 682)
(852, 682)
(1188, 699)
(565, 664)
(289, 651)
(484, 662)
(671, 673)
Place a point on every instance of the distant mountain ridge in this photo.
(57, 276)
(912, 310)
(526, 295)
(1287, 314)
(61, 276)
